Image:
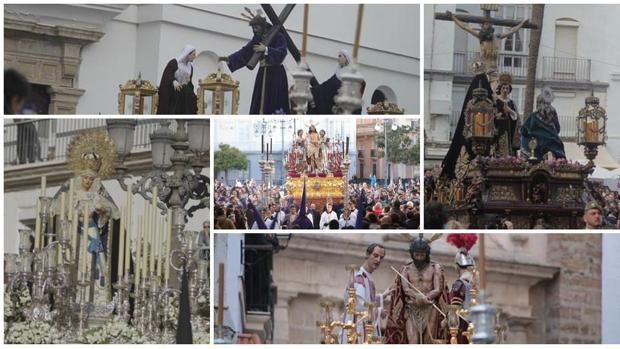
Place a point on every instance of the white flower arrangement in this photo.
(115, 331)
(31, 332)
(200, 330)
(15, 302)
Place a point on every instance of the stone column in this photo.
(281, 333)
(64, 100)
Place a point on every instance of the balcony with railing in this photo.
(553, 68)
(38, 141)
(515, 64)
(566, 69)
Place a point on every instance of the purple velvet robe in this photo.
(275, 99)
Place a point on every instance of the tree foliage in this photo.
(400, 146)
(229, 158)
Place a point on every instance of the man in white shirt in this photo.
(365, 289)
(328, 216)
(347, 220)
(266, 213)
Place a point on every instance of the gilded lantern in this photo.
(137, 97)
(479, 116)
(591, 124)
(218, 94)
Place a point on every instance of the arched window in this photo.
(377, 97)
(383, 93)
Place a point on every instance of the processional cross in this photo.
(277, 22)
(489, 40)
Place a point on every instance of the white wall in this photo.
(599, 41)
(611, 283)
(228, 251)
(439, 55)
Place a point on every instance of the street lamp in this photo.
(591, 128)
(178, 152)
(394, 127)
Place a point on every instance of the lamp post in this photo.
(591, 128)
(267, 128)
(178, 159)
(394, 127)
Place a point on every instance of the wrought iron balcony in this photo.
(515, 64)
(30, 141)
(566, 69)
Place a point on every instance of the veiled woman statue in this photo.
(91, 157)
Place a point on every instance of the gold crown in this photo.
(91, 161)
(505, 78)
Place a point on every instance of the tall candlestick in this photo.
(167, 255)
(75, 223)
(43, 185)
(137, 264)
(63, 197)
(145, 256)
(37, 224)
(160, 241)
(85, 242)
(128, 226)
(262, 144)
(347, 147)
(121, 249)
(271, 145)
(153, 239)
(71, 185)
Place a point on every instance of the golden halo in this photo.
(92, 142)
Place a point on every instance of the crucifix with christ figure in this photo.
(489, 40)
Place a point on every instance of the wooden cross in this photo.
(271, 14)
(486, 18)
(271, 34)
